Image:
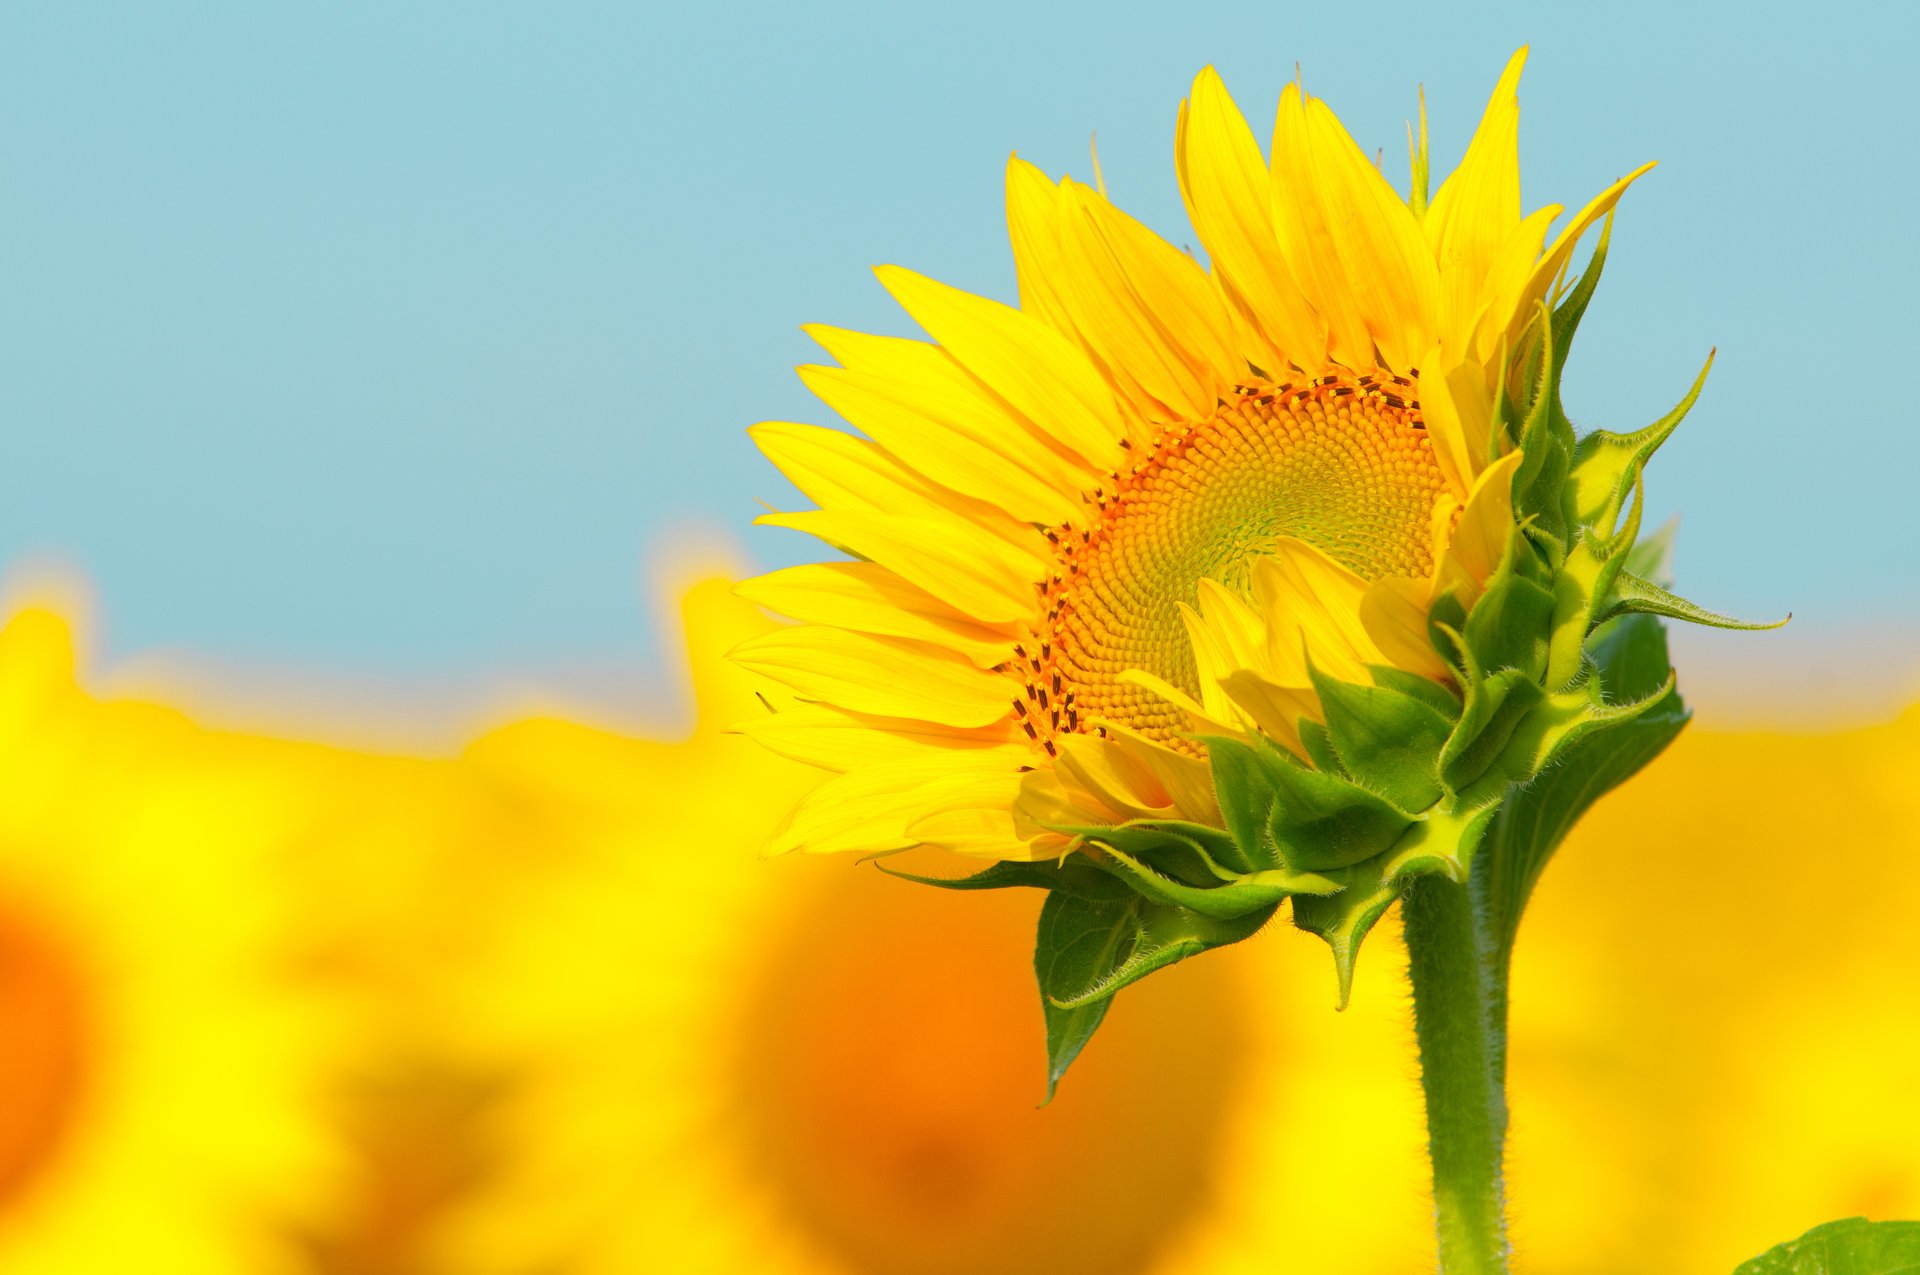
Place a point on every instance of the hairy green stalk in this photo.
(1459, 1008)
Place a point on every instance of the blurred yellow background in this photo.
(539, 1008)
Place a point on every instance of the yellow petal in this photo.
(1044, 803)
(1022, 358)
(1457, 403)
(1225, 722)
(869, 810)
(1225, 634)
(1486, 526)
(1479, 205)
(910, 426)
(1394, 611)
(1486, 328)
(974, 817)
(887, 677)
(1378, 270)
(927, 379)
(870, 598)
(1308, 598)
(837, 740)
(1187, 780)
(1228, 190)
(838, 470)
(1453, 449)
(1111, 777)
(1554, 260)
(977, 575)
(1148, 307)
(1033, 216)
(1276, 709)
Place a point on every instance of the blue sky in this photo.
(395, 339)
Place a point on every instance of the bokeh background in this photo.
(377, 881)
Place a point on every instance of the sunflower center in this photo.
(1341, 461)
(40, 1060)
(888, 1077)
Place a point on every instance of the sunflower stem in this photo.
(1457, 966)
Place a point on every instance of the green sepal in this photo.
(1425, 689)
(1549, 735)
(1318, 742)
(1567, 315)
(1509, 626)
(1630, 662)
(1246, 800)
(1442, 843)
(1606, 465)
(1586, 576)
(1307, 820)
(1546, 441)
(1089, 948)
(1633, 596)
(1851, 1247)
(1495, 706)
(1389, 741)
(1187, 852)
(1227, 901)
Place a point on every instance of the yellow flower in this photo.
(160, 1078)
(1145, 502)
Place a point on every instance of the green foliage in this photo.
(1852, 1247)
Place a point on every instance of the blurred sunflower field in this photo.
(539, 1008)
(384, 880)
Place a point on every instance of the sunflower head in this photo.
(1187, 590)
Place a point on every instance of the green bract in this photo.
(1560, 690)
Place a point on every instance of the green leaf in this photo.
(1389, 741)
(1852, 1247)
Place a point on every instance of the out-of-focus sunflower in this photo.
(1155, 498)
(1705, 1067)
(160, 1077)
(725, 1064)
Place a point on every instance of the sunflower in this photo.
(1281, 580)
(159, 1089)
(1157, 500)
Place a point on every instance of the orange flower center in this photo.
(42, 1033)
(1341, 461)
(891, 1066)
